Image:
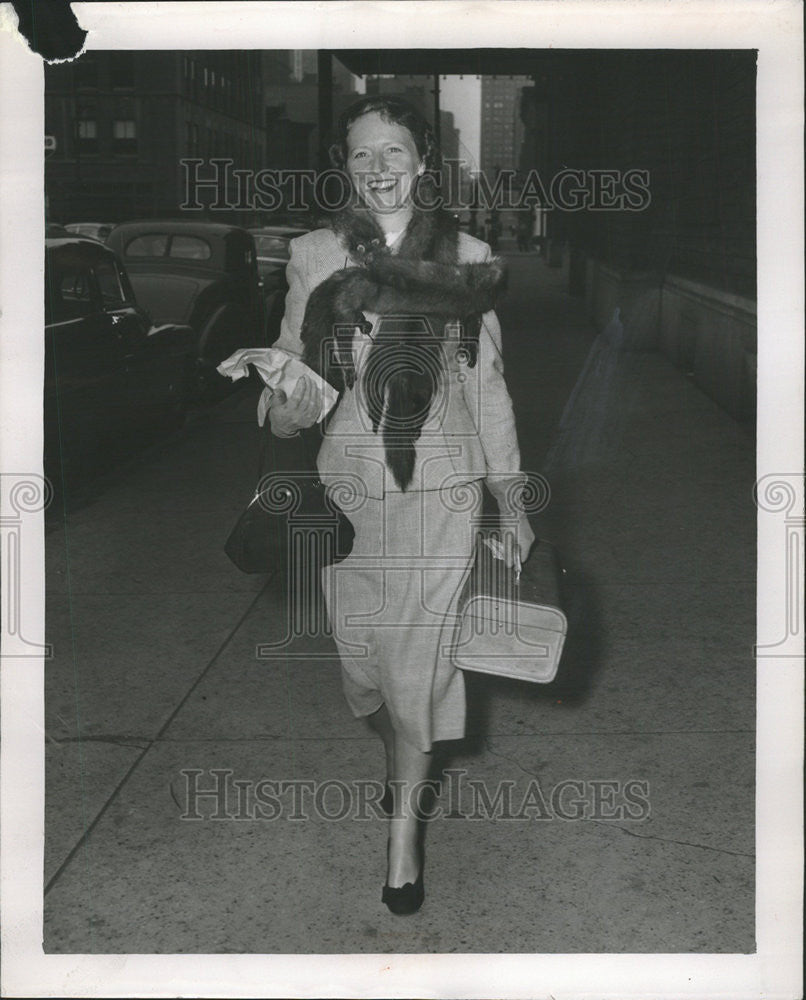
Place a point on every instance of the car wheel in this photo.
(176, 407)
(226, 331)
(201, 380)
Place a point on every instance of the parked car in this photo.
(288, 231)
(95, 230)
(272, 251)
(111, 376)
(204, 274)
(272, 258)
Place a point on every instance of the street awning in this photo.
(447, 62)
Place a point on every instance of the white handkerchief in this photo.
(279, 370)
(495, 547)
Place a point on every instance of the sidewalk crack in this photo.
(119, 741)
(512, 760)
(672, 840)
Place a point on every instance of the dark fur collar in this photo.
(430, 235)
(416, 290)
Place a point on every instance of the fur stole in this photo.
(415, 291)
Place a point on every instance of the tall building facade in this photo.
(122, 121)
(291, 94)
(501, 124)
(500, 147)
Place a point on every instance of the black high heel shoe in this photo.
(407, 898)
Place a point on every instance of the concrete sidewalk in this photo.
(155, 686)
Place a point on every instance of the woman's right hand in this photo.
(288, 415)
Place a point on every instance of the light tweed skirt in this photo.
(392, 609)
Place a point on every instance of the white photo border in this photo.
(774, 28)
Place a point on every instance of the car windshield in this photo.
(271, 246)
(109, 285)
(148, 245)
(190, 248)
(68, 294)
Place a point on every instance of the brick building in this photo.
(123, 120)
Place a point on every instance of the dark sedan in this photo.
(201, 273)
(111, 377)
(272, 244)
(95, 230)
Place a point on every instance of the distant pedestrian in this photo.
(525, 228)
(492, 230)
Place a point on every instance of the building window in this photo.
(124, 133)
(192, 139)
(125, 129)
(123, 70)
(85, 71)
(87, 135)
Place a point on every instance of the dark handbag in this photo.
(512, 627)
(290, 517)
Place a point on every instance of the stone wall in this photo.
(708, 333)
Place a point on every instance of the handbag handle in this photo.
(292, 454)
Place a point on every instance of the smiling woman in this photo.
(382, 162)
(394, 306)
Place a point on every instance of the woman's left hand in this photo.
(525, 540)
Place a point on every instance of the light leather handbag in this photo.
(510, 626)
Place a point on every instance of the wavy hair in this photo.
(392, 109)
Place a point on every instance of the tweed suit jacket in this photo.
(470, 431)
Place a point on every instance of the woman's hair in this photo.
(395, 110)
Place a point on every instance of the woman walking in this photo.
(393, 306)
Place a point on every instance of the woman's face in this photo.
(382, 161)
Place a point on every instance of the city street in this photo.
(638, 760)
